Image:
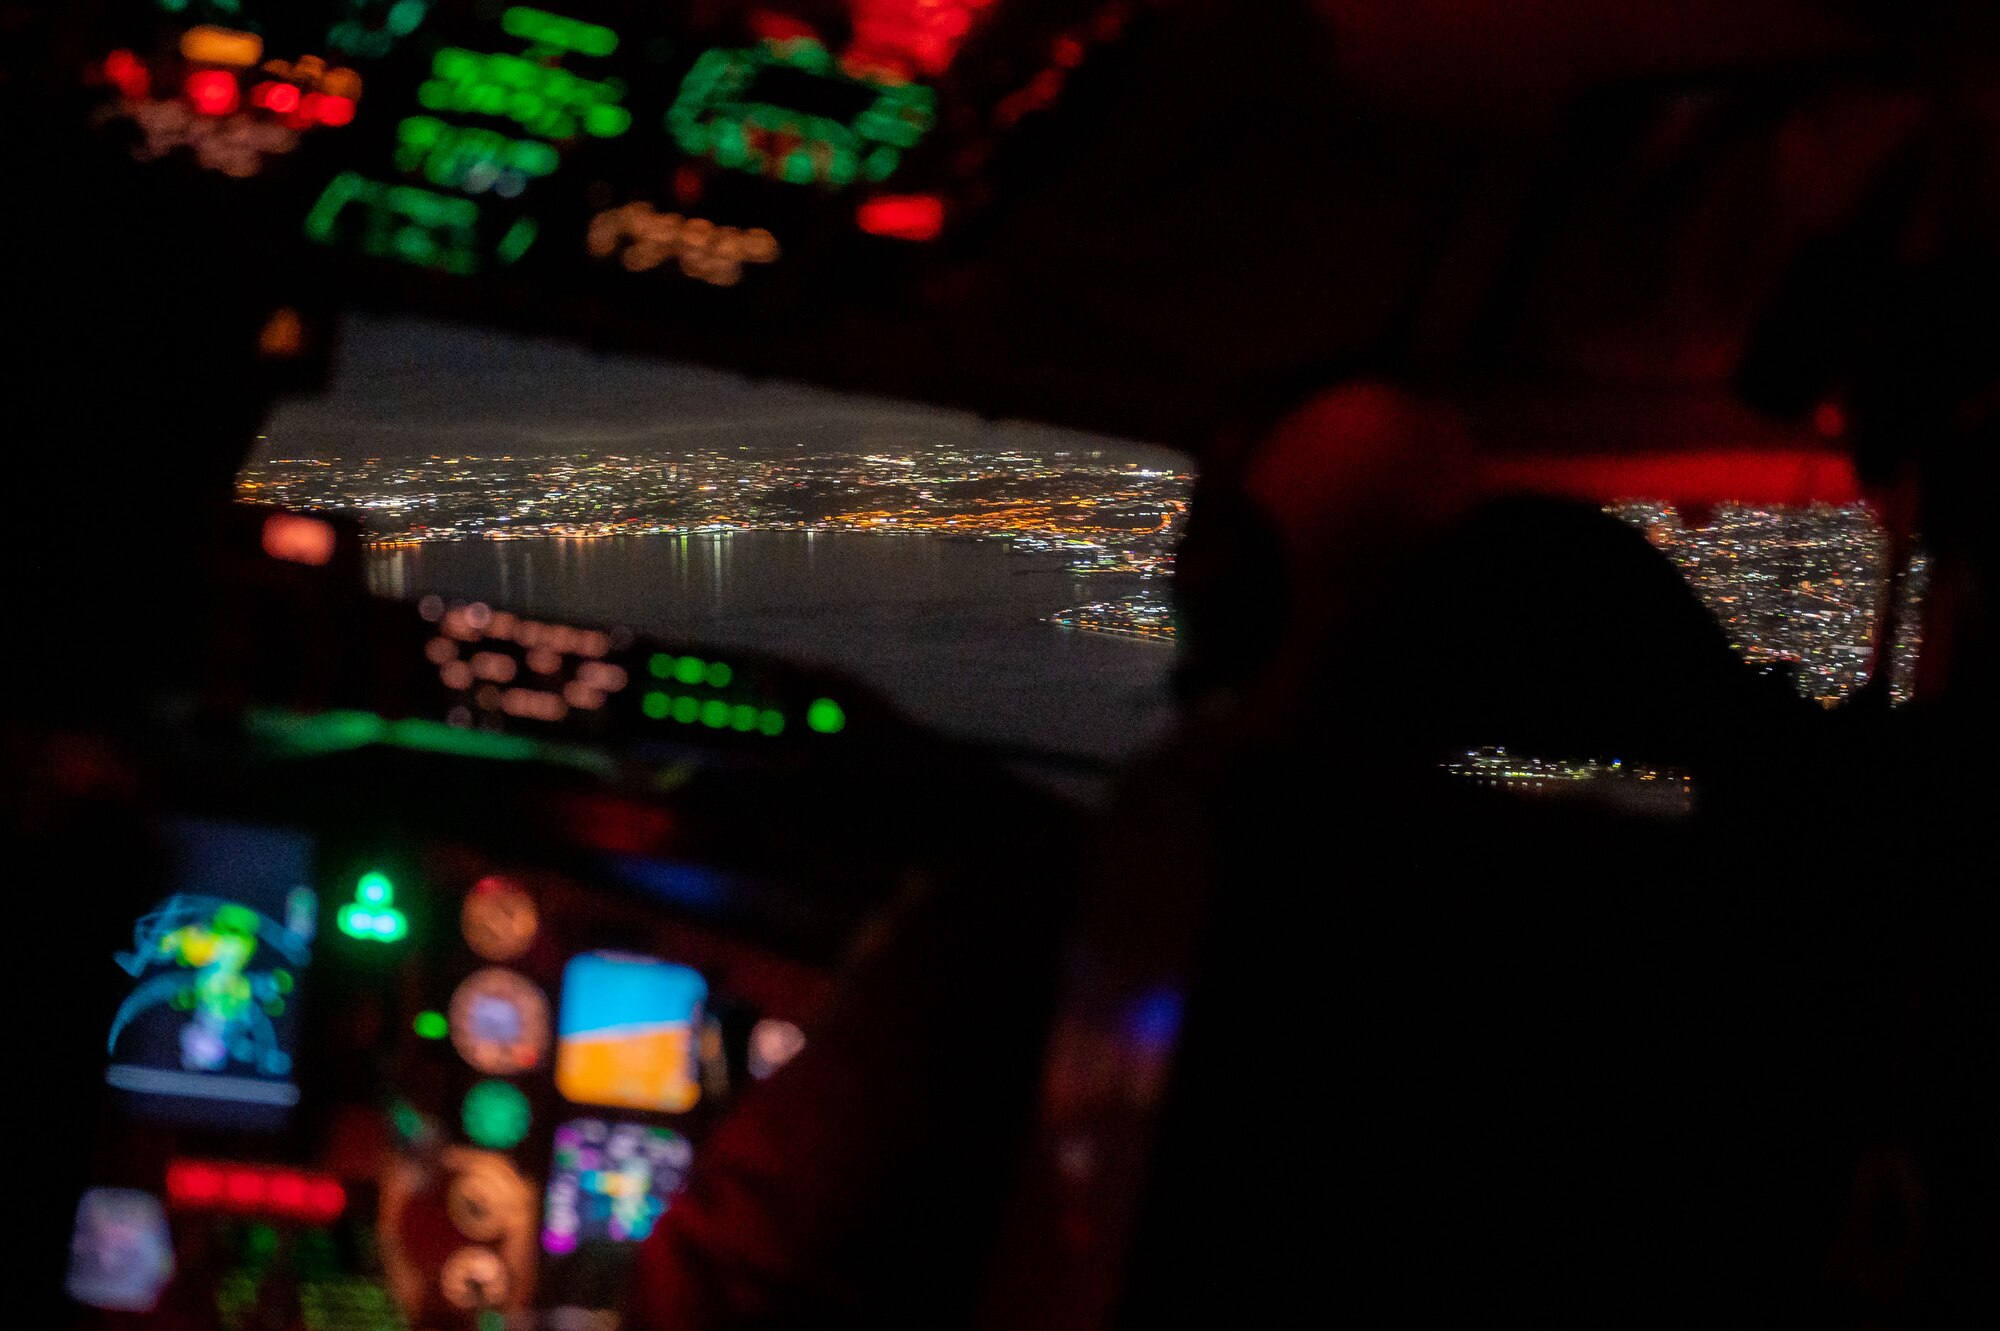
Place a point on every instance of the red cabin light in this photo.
(212, 91)
(335, 110)
(902, 216)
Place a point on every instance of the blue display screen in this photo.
(207, 1029)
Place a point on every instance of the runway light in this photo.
(902, 216)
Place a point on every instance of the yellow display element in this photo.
(211, 45)
(626, 1032)
(706, 251)
(634, 1069)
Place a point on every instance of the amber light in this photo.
(297, 539)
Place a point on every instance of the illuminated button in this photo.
(690, 670)
(494, 1114)
(825, 716)
(772, 722)
(372, 915)
(431, 1025)
(656, 705)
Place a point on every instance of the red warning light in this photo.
(124, 70)
(902, 216)
(335, 110)
(244, 1188)
(280, 97)
(288, 1194)
(191, 1183)
(325, 1197)
(212, 91)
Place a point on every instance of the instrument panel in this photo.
(420, 1005)
(720, 167)
(358, 1068)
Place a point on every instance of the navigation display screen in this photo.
(207, 1029)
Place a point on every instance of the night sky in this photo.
(404, 387)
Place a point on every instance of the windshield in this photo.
(1000, 581)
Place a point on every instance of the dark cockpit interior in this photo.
(1552, 895)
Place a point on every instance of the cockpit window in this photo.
(1003, 582)
(1796, 589)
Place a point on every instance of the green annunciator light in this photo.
(826, 717)
(372, 915)
(495, 1115)
(431, 1025)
